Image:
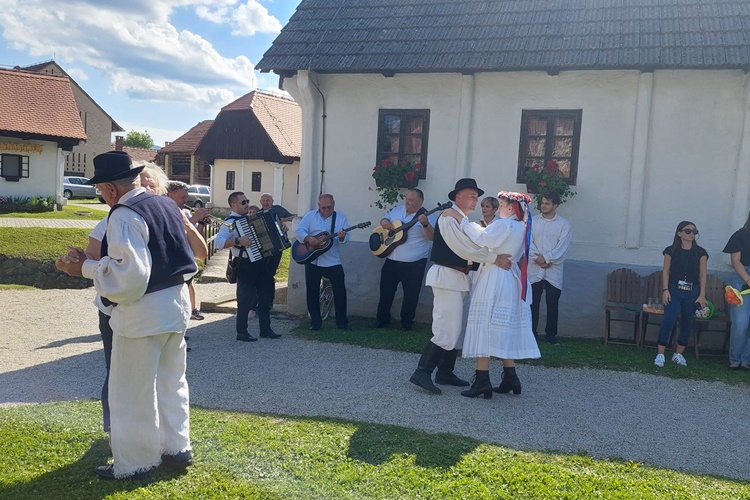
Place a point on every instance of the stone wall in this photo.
(40, 274)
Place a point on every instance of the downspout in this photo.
(323, 138)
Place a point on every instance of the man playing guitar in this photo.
(406, 263)
(327, 264)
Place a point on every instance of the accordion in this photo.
(265, 235)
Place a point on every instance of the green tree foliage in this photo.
(136, 139)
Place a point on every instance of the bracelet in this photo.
(428, 225)
(665, 290)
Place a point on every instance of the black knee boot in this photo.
(422, 376)
(480, 384)
(510, 382)
(445, 375)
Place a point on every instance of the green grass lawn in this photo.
(67, 212)
(572, 352)
(50, 451)
(282, 274)
(40, 243)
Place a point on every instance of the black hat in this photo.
(466, 183)
(111, 166)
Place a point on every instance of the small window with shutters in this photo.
(550, 135)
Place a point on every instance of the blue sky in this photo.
(155, 65)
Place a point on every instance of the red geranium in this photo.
(410, 176)
(551, 166)
(386, 163)
(418, 166)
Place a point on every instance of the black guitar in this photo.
(302, 253)
(385, 241)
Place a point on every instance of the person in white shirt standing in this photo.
(550, 241)
(407, 262)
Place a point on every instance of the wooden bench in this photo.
(719, 322)
(624, 300)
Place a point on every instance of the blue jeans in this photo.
(739, 343)
(683, 303)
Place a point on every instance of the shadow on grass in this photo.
(377, 444)
(78, 479)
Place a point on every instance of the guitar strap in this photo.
(333, 223)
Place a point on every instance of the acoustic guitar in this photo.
(384, 241)
(302, 253)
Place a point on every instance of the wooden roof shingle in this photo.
(389, 36)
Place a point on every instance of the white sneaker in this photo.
(659, 360)
(679, 359)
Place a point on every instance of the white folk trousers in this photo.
(447, 318)
(148, 399)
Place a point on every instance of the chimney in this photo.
(118, 142)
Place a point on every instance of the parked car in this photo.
(75, 187)
(198, 195)
(99, 195)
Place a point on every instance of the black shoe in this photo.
(108, 472)
(553, 341)
(344, 327)
(314, 328)
(450, 379)
(380, 324)
(424, 380)
(510, 382)
(480, 385)
(179, 461)
(247, 338)
(270, 334)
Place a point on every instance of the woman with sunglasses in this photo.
(683, 285)
(738, 247)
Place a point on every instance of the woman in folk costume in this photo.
(499, 320)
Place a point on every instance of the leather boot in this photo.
(445, 375)
(510, 382)
(422, 376)
(480, 384)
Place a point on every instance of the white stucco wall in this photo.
(284, 195)
(45, 171)
(690, 139)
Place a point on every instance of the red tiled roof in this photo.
(281, 117)
(38, 104)
(139, 154)
(188, 142)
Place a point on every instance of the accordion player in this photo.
(264, 231)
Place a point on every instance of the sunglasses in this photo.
(245, 202)
(690, 231)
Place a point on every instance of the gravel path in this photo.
(52, 352)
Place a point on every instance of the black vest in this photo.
(442, 255)
(171, 257)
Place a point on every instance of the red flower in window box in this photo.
(392, 175)
(410, 176)
(546, 178)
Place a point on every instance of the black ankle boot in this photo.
(422, 376)
(445, 375)
(480, 384)
(510, 382)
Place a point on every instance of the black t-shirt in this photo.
(740, 242)
(281, 212)
(685, 264)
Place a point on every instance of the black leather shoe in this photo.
(450, 379)
(314, 328)
(344, 327)
(246, 338)
(108, 472)
(424, 380)
(379, 324)
(270, 334)
(180, 461)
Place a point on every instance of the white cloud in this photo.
(133, 44)
(247, 19)
(77, 74)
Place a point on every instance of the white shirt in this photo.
(445, 277)
(122, 276)
(550, 238)
(224, 234)
(313, 223)
(416, 246)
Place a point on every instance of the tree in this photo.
(138, 140)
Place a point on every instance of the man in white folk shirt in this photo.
(550, 241)
(145, 260)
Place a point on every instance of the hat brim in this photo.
(99, 179)
(452, 194)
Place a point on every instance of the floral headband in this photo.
(513, 196)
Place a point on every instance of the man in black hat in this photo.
(453, 255)
(145, 260)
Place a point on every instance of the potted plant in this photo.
(391, 176)
(547, 179)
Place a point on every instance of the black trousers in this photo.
(254, 279)
(410, 275)
(335, 274)
(106, 331)
(552, 298)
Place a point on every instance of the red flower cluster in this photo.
(410, 176)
